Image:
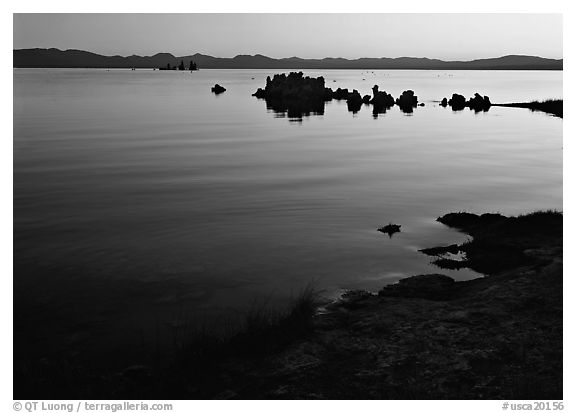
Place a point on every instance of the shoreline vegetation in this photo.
(426, 337)
(552, 106)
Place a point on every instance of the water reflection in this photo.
(295, 109)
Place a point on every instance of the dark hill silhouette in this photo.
(52, 58)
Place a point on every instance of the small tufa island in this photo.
(217, 89)
(477, 103)
(390, 229)
(192, 66)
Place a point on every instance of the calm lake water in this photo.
(140, 195)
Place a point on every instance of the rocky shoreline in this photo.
(428, 336)
(425, 337)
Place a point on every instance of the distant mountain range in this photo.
(55, 58)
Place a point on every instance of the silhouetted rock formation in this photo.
(260, 93)
(390, 229)
(444, 102)
(294, 86)
(499, 242)
(407, 101)
(300, 95)
(218, 89)
(354, 101)
(295, 94)
(381, 101)
(477, 102)
(340, 94)
(457, 102)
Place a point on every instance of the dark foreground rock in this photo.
(429, 286)
(501, 243)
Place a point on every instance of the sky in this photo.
(441, 36)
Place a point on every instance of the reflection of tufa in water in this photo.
(390, 229)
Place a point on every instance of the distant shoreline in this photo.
(298, 69)
(55, 58)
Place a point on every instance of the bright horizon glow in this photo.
(351, 36)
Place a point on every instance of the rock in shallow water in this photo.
(218, 89)
(390, 229)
